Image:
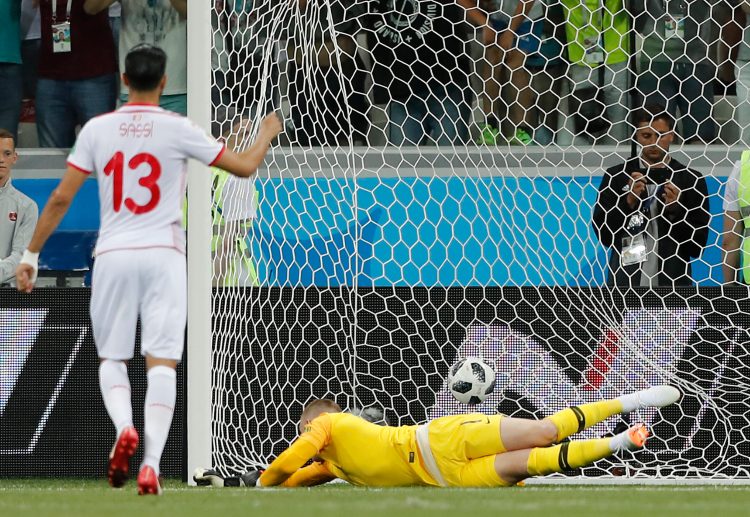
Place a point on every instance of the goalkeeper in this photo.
(471, 450)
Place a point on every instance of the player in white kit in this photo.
(140, 154)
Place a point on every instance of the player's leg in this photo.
(519, 433)
(516, 466)
(163, 316)
(114, 313)
(577, 418)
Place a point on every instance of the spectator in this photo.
(328, 103)
(11, 73)
(548, 69)
(18, 213)
(598, 49)
(652, 210)
(421, 70)
(516, 40)
(677, 69)
(162, 23)
(730, 38)
(77, 70)
(736, 211)
(245, 63)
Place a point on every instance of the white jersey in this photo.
(140, 154)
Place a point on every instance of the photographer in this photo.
(652, 210)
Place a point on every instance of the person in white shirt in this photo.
(140, 154)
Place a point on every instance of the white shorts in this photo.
(150, 283)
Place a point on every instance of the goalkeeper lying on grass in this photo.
(472, 450)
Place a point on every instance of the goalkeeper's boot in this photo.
(148, 482)
(654, 397)
(630, 440)
(119, 457)
(637, 436)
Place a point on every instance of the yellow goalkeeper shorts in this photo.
(465, 446)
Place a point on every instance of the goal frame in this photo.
(198, 374)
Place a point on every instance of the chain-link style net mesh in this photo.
(452, 180)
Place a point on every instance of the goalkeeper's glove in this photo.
(210, 477)
(251, 478)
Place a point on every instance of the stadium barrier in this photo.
(52, 418)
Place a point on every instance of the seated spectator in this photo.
(598, 49)
(518, 44)
(421, 70)
(326, 87)
(11, 74)
(77, 71)
(677, 69)
(516, 32)
(162, 23)
(548, 74)
(652, 210)
(18, 213)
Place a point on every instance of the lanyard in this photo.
(54, 11)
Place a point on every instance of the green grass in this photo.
(95, 498)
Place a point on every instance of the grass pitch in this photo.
(94, 498)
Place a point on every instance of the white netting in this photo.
(435, 195)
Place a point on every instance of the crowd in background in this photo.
(406, 72)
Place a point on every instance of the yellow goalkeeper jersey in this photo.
(348, 447)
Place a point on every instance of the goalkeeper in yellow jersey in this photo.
(470, 450)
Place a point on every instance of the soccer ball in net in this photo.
(471, 380)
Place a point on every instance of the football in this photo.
(471, 380)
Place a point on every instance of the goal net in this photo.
(435, 194)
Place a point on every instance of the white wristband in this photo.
(31, 259)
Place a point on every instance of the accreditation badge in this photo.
(633, 250)
(61, 37)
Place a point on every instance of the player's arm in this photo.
(56, 207)
(730, 245)
(312, 475)
(96, 6)
(305, 448)
(246, 163)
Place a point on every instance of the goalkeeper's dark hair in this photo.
(144, 67)
(651, 112)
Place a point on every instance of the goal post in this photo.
(199, 335)
(379, 243)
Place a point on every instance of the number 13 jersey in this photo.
(139, 154)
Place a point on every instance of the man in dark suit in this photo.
(652, 210)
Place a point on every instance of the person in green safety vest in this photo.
(598, 50)
(234, 207)
(735, 243)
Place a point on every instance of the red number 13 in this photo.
(115, 167)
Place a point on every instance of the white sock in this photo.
(158, 411)
(115, 387)
(622, 442)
